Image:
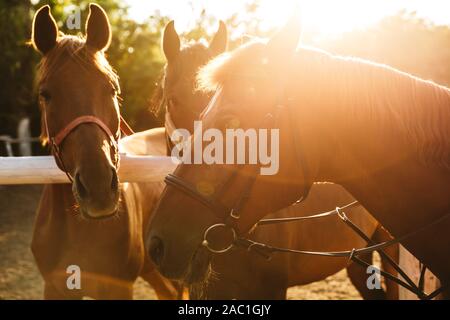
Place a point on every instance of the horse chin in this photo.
(199, 269)
(99, 214)
(102, 215)
(96, 213)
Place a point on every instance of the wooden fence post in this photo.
(411, 266)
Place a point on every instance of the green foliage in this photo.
(136, 56)
(16, 64)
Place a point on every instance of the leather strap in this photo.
(59, 138)
(125, 127)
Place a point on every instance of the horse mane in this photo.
(361, 89)
(73, 48)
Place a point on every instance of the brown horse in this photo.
(85, 224)
(252, 277)
(177, 91)
(381, 133)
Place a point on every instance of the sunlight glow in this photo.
(322, 16)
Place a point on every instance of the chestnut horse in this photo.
(85, 227)
(251, 276)
(380, 133)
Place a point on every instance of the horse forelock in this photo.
(228, 64)
(73, 48)
(417, 108)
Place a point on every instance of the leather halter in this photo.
(230, 216)
(57, 140)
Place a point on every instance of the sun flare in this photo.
(328, 17)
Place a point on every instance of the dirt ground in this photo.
(20, 279)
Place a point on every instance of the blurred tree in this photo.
(138, 60)
(16, 65)
(240, 25)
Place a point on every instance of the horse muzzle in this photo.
(97, 200)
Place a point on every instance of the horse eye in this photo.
(44, 94)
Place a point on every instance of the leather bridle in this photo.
(57, 140)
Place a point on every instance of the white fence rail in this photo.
(24, 139)
(25, 144)
(43, 170)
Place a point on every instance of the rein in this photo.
(57, 140)
(267, 250)
(264, 222)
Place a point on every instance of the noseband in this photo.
(57, 140)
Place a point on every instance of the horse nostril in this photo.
(156, 250)
(81, 189)
(114, 181)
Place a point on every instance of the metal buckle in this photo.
(206, 243)
(233, 215)
(341, 213)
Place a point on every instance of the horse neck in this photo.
(356, 121)
(360, 146)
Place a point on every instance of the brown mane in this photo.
(228, 64)
(419, 109)
(72, 48)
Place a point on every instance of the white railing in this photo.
(24, 139)
(43, 170)
(9, 141)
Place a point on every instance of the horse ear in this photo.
(44, 30)
(287, 39)
(171, 42)
(219, 43)
(98, 29)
